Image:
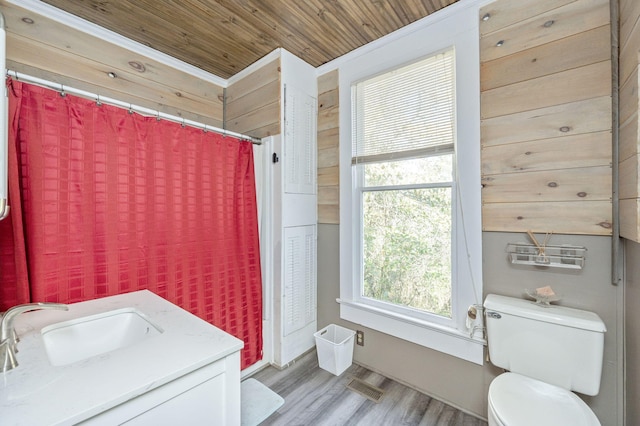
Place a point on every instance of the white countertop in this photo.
(37, 393)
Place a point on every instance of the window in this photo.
(403, 144)
(410, 211)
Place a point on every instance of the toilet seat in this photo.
(516, 400)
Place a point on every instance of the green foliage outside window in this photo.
(407, 235)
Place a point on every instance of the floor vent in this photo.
(365, 389)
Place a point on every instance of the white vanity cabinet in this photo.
(207, 396)
(187, 374)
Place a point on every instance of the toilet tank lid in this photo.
(561, 315)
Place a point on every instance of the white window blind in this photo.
(405, 113)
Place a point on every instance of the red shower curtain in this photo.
(106, 202)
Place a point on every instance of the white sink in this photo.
(75, 340)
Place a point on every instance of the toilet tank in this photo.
(557, 345)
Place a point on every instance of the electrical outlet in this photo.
(360, 338)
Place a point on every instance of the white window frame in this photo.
(458, 28)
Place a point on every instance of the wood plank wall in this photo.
(629, 133)
(44, 48)
(328, 149)
(546, 116)
(253, 102)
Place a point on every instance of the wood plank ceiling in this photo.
(225, 36)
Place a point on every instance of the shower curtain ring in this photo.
(130, 109)
(183, 124)
(62, 93)
(98, 103)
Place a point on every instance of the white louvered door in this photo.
(299, 304)
(295, 214)
(300, 157)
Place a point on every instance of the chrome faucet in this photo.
(9, 338)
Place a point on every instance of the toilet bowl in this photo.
(516, 400)
(549, 352)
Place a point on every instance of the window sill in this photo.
(433, 336)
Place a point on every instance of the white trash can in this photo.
(335, 348)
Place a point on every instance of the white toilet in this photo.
(549, 352)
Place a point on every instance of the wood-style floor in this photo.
(316, 397)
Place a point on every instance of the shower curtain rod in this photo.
(139, 109)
